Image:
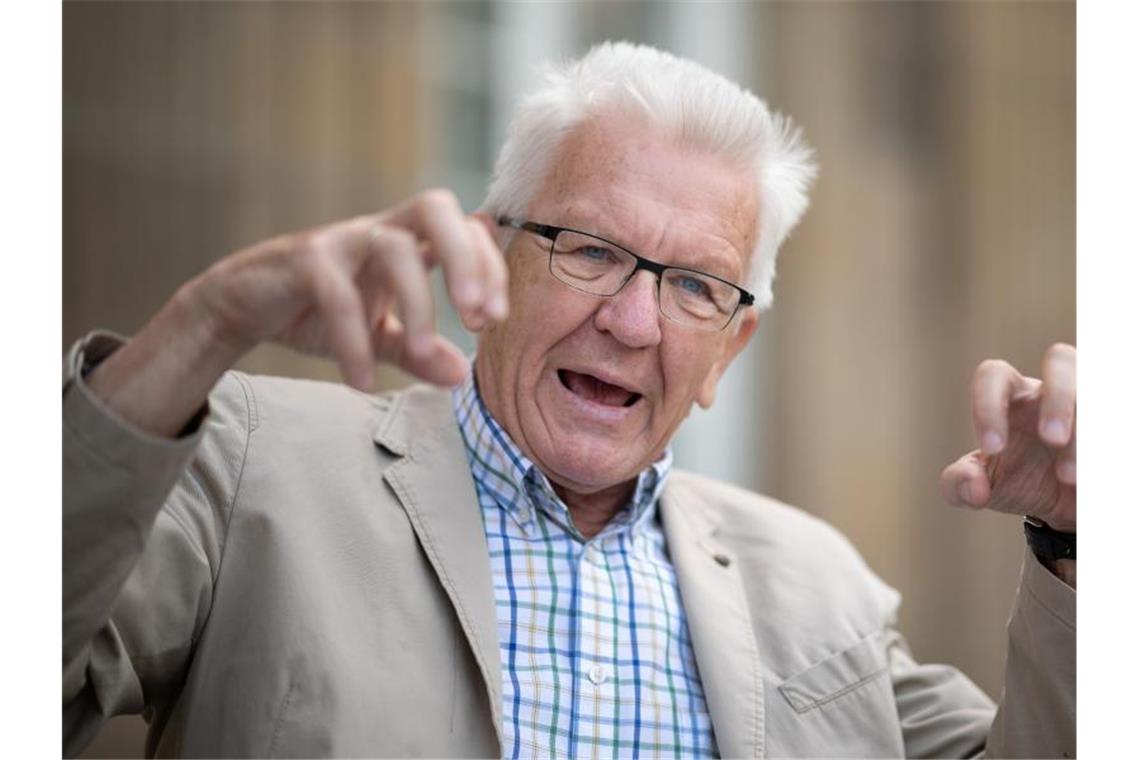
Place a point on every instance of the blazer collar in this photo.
(720, 625)
(432, 480)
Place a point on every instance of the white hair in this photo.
(694, 106)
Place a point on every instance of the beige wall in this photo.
(942, 230)
(942, 233)
(194, 129)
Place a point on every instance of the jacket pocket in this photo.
(837, 675)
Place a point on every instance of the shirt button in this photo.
(597, 675)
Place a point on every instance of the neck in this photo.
(591, 512)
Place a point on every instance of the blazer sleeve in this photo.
(1037, 714)
(144, 524)
(942, 713)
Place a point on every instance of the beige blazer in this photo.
(307, 575)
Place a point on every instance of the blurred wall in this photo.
(194, 129)
(941, 233)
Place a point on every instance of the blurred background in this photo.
(942, 230)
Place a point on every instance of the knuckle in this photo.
(310, 253)
(437, 199)
(990, 367)
(386, 237)
(317, 241)
(1060, 351)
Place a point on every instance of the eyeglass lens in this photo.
(594, 266)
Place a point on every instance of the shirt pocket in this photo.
(838, 675)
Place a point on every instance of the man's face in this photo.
(558, 374)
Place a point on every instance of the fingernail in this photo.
(497, 306)
(992, 442)
(964, 492)
(1054, 431)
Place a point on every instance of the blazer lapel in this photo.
(433, 482)
(720, 626)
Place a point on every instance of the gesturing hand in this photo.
(335, 290)
(1027, 460)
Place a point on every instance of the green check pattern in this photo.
(595, 648)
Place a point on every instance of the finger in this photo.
(476, 319)
(393, 253)
(443, 364)
(494, 269)
(1058, 395)
(491, 275)
(436, 217)
(346, 239)
(340, 306)
(375, 290)
(965, 483)
(1066, 466)
(995, 383)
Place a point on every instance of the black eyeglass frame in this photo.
(551, 232)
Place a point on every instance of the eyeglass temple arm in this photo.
(545, 230)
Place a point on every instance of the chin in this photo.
(595, 469)
(585, 445)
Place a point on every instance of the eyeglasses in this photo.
(599, 267)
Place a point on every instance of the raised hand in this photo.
(1026, 463)
(333, 290)
(357, 291)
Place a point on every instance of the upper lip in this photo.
(608, 377)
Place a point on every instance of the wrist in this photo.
(1056, 550)
(202, 331)
(1059, 525)
(1066, 570)
(161, 378)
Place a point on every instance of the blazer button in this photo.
(722, 560)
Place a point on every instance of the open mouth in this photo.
(591, 388)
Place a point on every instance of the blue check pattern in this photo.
(595, 648)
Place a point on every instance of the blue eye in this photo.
(693, 285)
(594, 253)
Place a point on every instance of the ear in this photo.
(736, 342)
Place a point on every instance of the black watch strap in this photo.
(1049, 545)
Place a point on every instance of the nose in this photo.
(632, 315)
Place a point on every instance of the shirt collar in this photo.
(520, 488)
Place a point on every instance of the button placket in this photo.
(594, 574)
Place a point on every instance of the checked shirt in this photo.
(594, 644)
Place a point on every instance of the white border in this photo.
(32, 136)
(1107, 275)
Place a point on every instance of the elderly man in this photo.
(277, 567)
